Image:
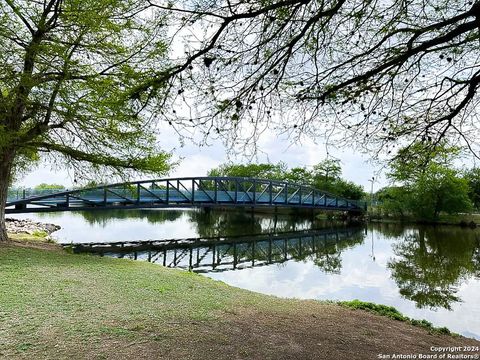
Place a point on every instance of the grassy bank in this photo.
(464, 220)
(56, 305)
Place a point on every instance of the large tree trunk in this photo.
(6, 162)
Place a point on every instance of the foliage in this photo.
(394, 201)
(440, 189)
(298, 175)
(411, 162)
(44, 186)
(262, 171)
(67, 69)
(392, 313)
(472, 177)
(327, 169)
(430, 184)
(341, 187)
(383, 310)
(327, 176)
(324, 176)
(380, 73)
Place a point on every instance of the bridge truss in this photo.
(183, 192)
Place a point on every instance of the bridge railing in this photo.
(24, 193)
(188, 191)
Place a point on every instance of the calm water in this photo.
(426, 272)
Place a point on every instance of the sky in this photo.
(197, 161)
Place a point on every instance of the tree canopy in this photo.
(261, 171)
(472, 177)
(326, 175)
(428, 184)
(67, 67)
(68, 70)
(44, 186)
(374, 73)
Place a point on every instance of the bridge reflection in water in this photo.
(233, 253)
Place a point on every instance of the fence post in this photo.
(193, 191)
(168, 191)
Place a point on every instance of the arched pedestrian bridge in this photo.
(183, 192)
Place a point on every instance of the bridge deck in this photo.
(184, 192)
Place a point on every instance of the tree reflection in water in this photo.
(110, 216)
(431, 263)
(428, 264)
(235, 223)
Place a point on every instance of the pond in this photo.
(426, 272)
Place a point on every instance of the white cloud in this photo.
(196, 161)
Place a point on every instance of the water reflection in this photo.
(105, 218)
(431, 263)
(201, 223)
(324, 247)
(425, 272)
(234, 223)
(428, 264)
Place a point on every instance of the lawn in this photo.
(57, 305)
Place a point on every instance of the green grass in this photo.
(392, 313)
(53, 302)
(46, 295)
(444, 219)
(38, 235)
(460, 218)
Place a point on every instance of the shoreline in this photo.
(33, 228)
(458, 223)
(82, 304)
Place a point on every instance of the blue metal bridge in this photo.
(183, 192)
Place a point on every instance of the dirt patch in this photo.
(32, 244)
(311, 330)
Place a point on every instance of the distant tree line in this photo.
(326, 176)
(426, 184)
(45, 186)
